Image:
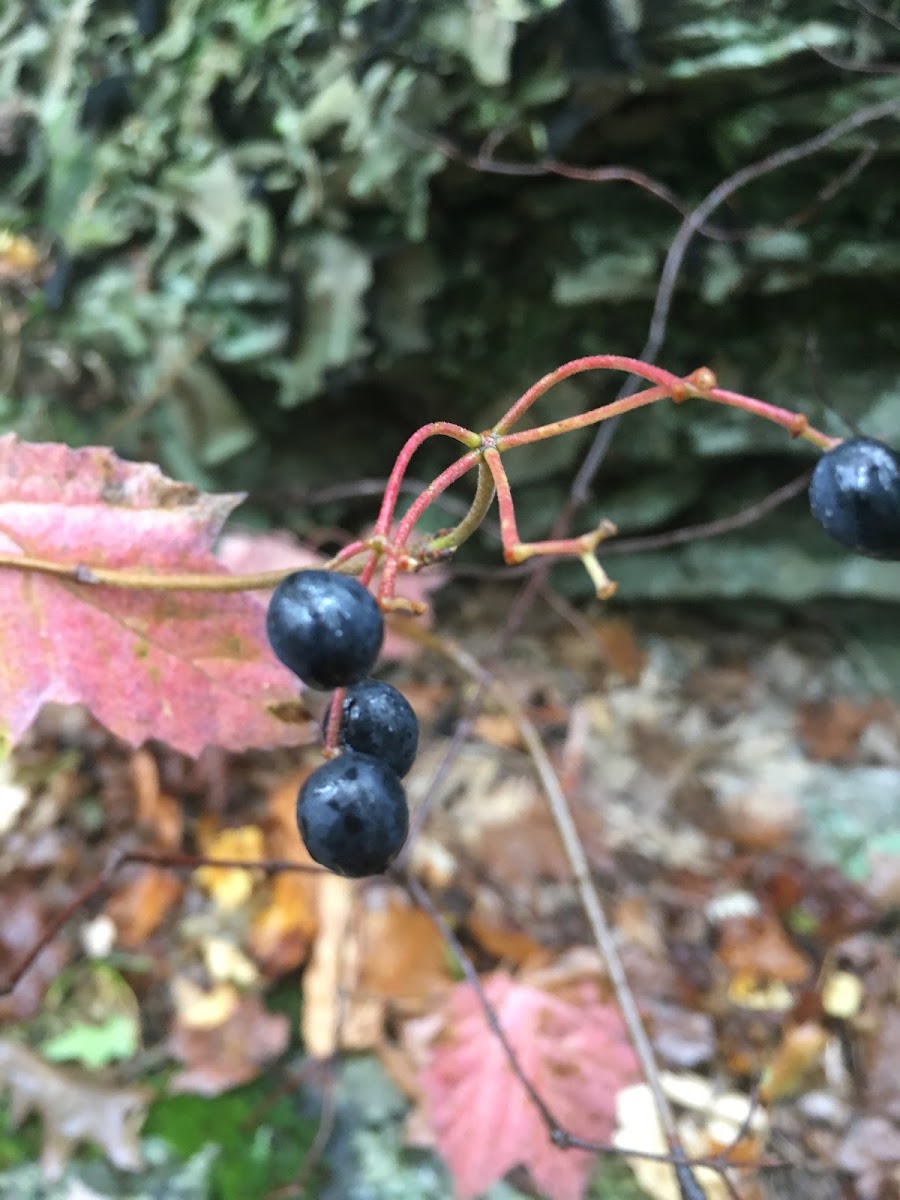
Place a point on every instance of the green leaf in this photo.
(95, 1046)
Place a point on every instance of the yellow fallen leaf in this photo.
(284, 929)
(709, 1123)
(197, 1008)
(231, 887)
(226, 963)
(842, 995)
(798, 1056)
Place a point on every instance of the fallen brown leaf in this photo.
(797, 1058)
(499, 730)
(230, 1054)
(327, 1022)
(759, 946)
(621, 649)
(156, 811)
(403, 958)
(284, 929)
(24, 919)
(830, 729)
(140, 906)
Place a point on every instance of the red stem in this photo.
(509, 532)
(671, 384)
(795, 423)
(569, 424)
(392, 490)
(335, 714)
(417, 508)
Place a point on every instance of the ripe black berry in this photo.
(352, 815)
(326, 628)
(854, 494)
(377, 719)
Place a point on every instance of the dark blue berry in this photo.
(377, 719)
(854, 494)
(352, 815)
(324, 627)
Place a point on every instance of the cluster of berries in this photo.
(351, 811)
(328, 629)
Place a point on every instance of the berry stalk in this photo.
(459, 534)
(616, 408)
(796, 424)
(392, 490)
(671, 384)
(417, 508)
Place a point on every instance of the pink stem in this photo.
(671, 384)
(569, 424)
(417, 508)
(333, 724)
(392, 490)
(509, 532)
(795, 423)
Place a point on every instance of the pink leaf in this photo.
(192, 669)
(576, 1057)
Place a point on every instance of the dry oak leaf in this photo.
(192, 669)
(574, 1053)
(74, 1108)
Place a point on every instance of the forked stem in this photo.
(516, 551)
(392, 491)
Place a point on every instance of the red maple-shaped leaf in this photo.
(190, 668)
(575, 1055)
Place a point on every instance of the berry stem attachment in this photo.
(333, 724)
(796, 424)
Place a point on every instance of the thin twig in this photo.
(103, 881)
(878, 13)
(712, 529)
(580, 490)
(724, 190)
(575, 854)
(484, 162)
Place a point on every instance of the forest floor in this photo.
(224, 1033)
